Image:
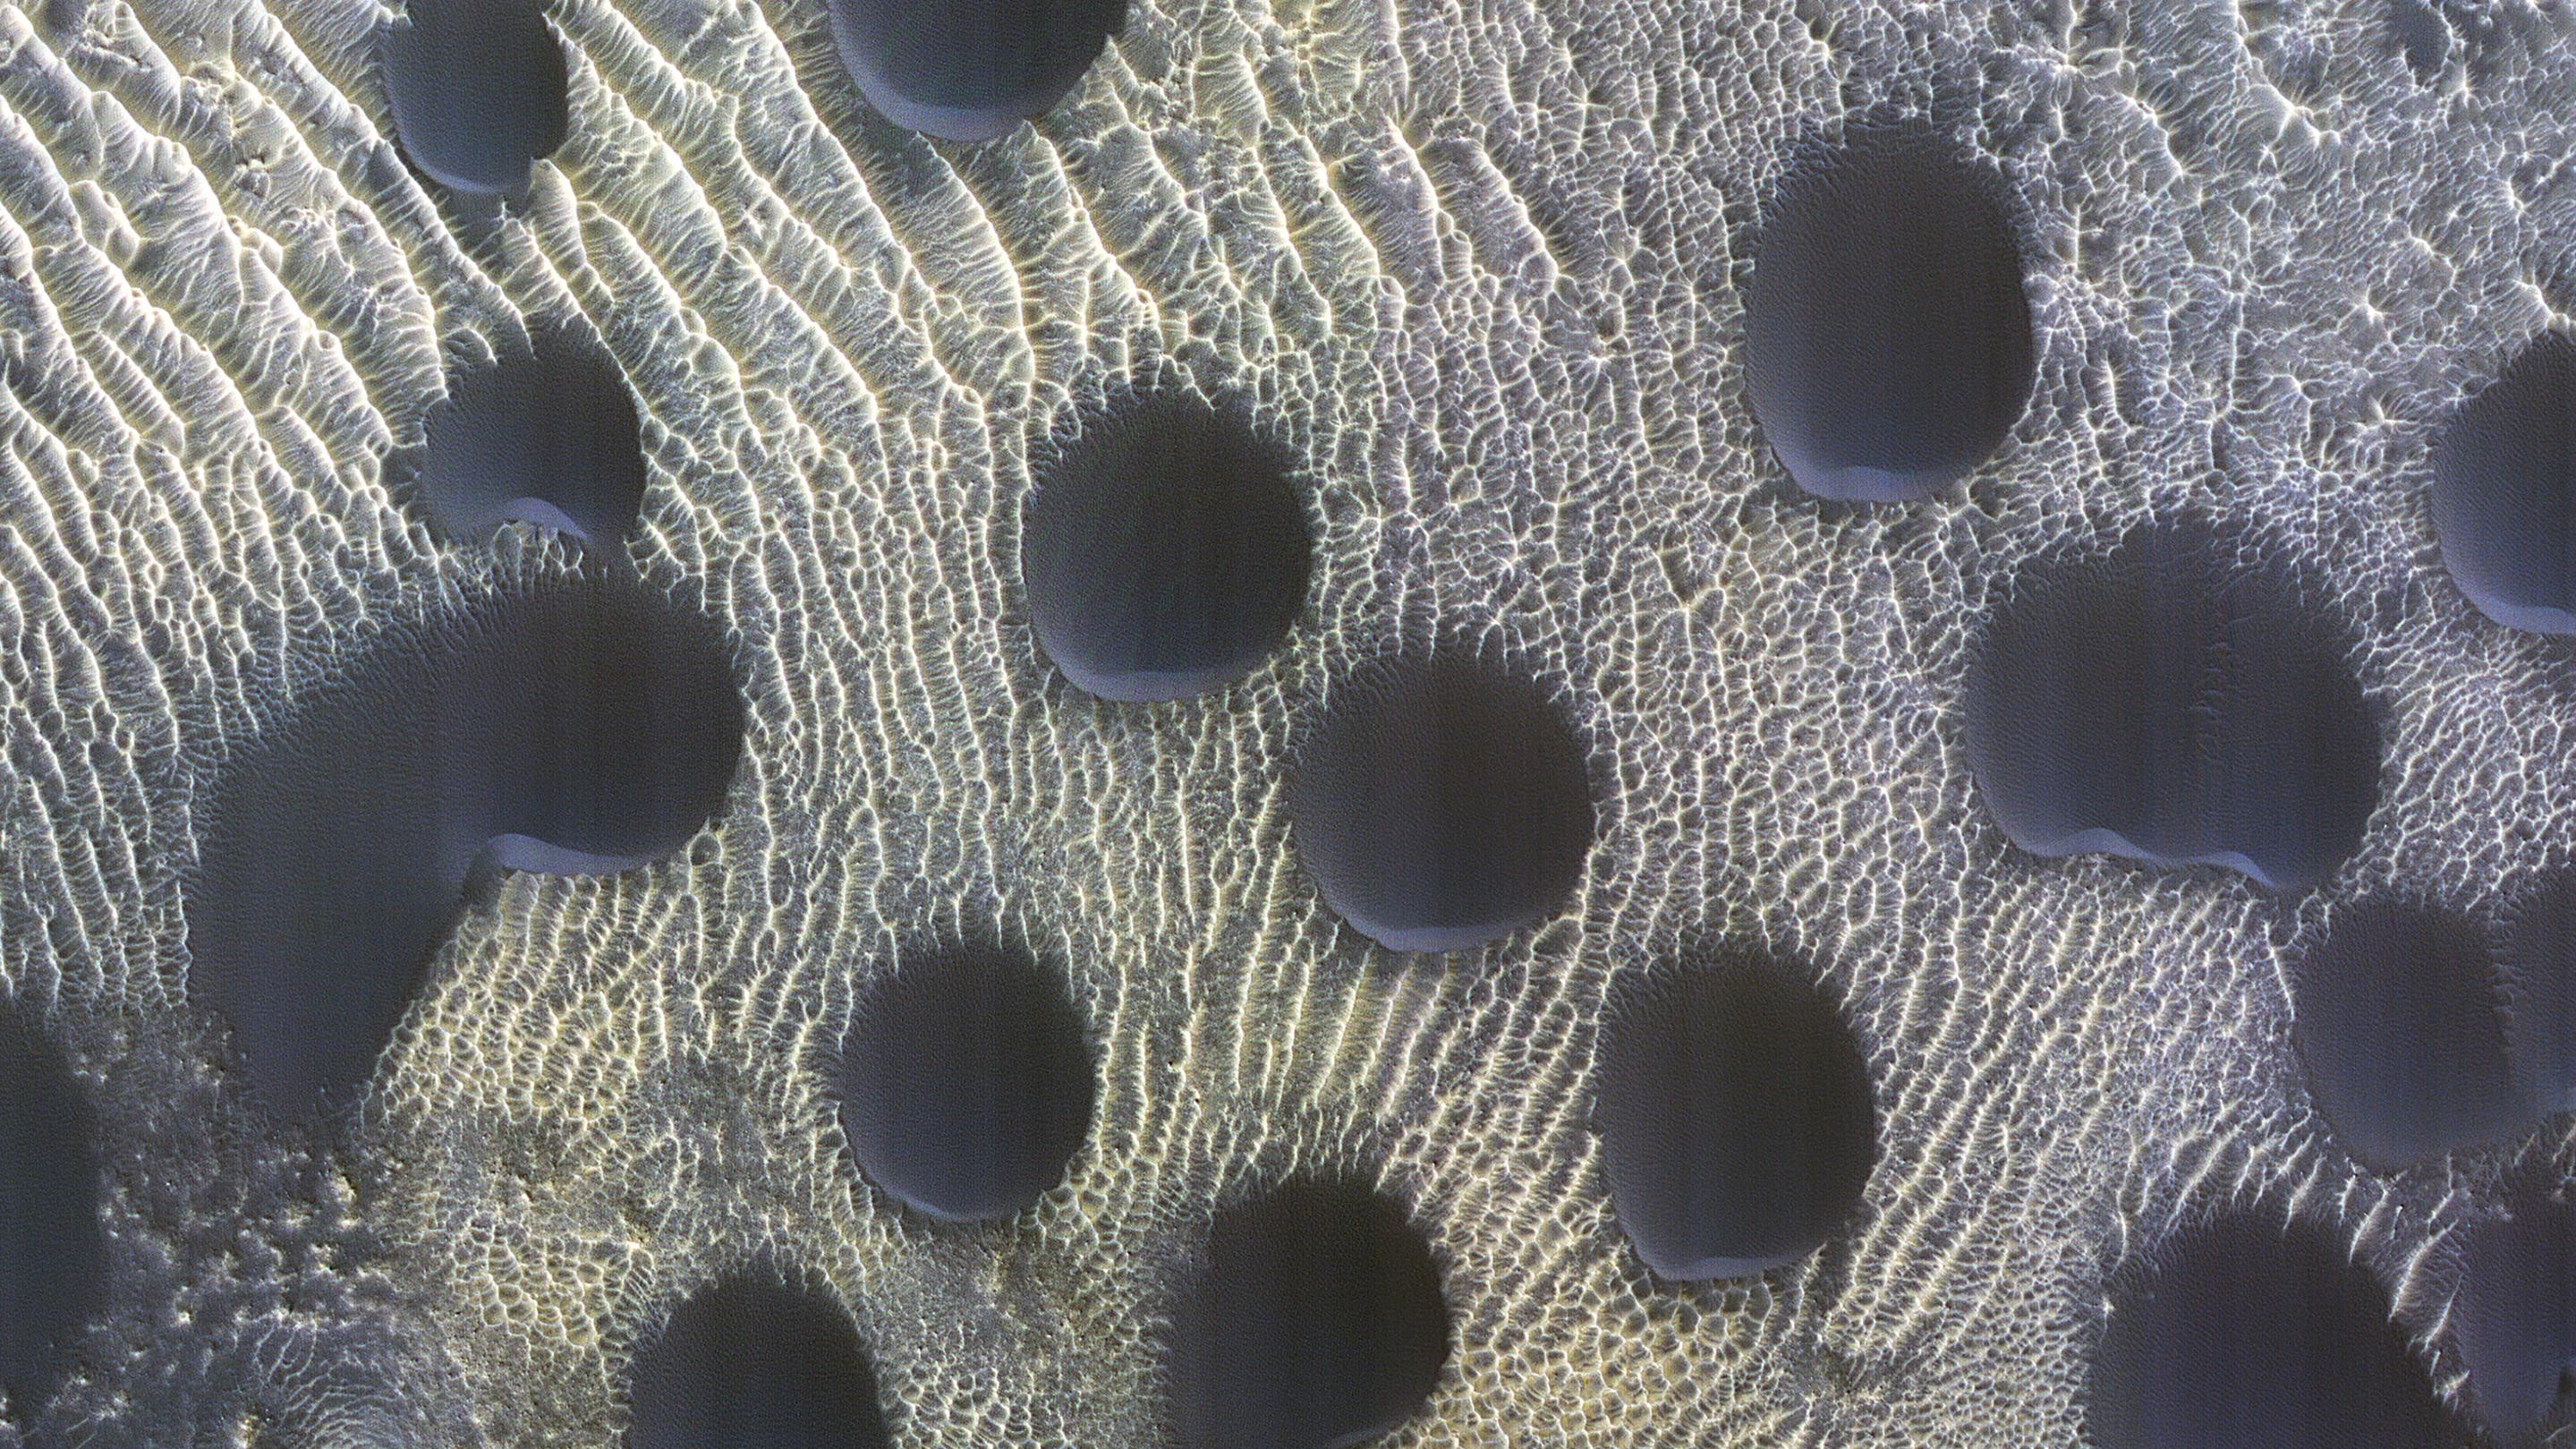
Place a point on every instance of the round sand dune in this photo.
(753, 1363)
(547, 437)
(969, 70)
(1313, 1319)
(2536, 967)
(477, 89)
(576, 728)
(1887, 340)
(2504, 491)
(2515, 1320)
(1442, 803)
(2244, 1334)
(2398, 1029)
(2173, 705)
(1736, 1118)
(965, 1082)
(1164, 551)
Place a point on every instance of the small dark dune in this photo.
(478, 91)
(1736, 1117)
(2504, 492)
(965, 1083)
(1164, 551)
(2396, 1023)
(53, 1256)
(2515, 1321)
(1442, 803)
(2247, 1335)
(1887, 338)
(1313, 1320)
(577, 728)
(2177, 703)
(751, 1363)
(2538, 978)
(548, 438)
(2422, 37)
(970, 70)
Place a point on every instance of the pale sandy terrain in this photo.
(1481, 265)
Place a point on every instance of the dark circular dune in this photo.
(2504, 492)
(1887, 339)
(2422, 37)
(2248, 1335)
(2396, 1024)
(1313, 1320)
(53, 1256)
(970, 70)
(1737, 1121)
(548, 438)
(965, 1082)
(572, 728)
(1164, 551)
(478, 91)
(2538, 978)
(2515, 1321)
(1442, 803)
(2176, 703)
(752, 1363)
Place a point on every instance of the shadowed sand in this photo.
(53, 1257)
(1736, 1117)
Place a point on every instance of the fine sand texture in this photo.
(1532, 724)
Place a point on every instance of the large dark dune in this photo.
(752, 1363)
(2504, 491)
(969, 70)
(478, 91)
(548, 437)
(53, 1256)
(1887, 339)
(2396, 1022)
(1164, 551)
(2247, 1335)
(572, 728)
(2176, 703)
(2537, 975)
(965, 1082)
(2515, 1321)
(1736, 1117)
(1312, 1320)
(1442, 802)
